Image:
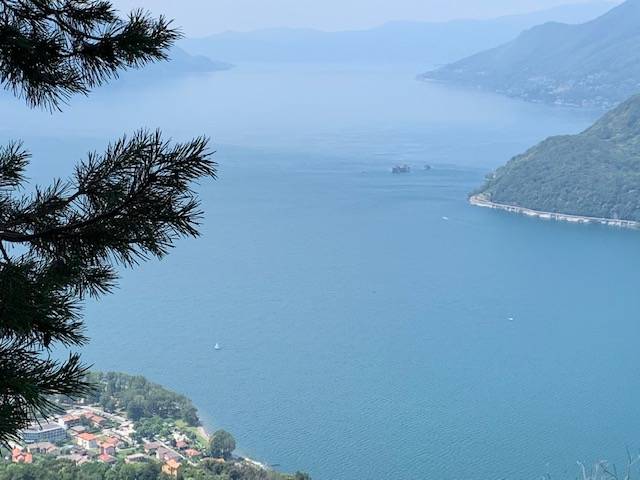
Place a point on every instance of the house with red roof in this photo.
(107, 448)
(87, 440)
(172, 468)
(20, 456)
(181, 444)
(108, 459)
(97, 420)
(69, 421)
(191, 453)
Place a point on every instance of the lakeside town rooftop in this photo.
(86, 434)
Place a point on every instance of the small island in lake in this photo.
(592, 177)
(398, 169)
(128, 429)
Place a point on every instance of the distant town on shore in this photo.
(129, 428)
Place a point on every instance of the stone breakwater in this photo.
(482, 201)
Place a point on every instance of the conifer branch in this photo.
(120, 207)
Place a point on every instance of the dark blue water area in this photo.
(372, 325)
(376, 326)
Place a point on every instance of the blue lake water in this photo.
(363, 335)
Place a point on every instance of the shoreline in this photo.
(202, 430)
(603, 106)
(481, 201)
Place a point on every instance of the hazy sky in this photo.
(201, 17)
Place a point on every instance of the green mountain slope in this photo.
(595, 173)
(592, 64)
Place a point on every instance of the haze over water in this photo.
(363, 335)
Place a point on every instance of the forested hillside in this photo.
(592, 64)
(595, 173)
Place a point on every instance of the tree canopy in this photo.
(222, 444)
(51, 469)
(62, 243)
(595, 173)
(140, 398)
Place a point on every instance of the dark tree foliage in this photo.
(53, 49)
(222, 444)
(62, 243)
(51, 469)
(140, 398)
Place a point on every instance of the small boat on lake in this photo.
(217, 347)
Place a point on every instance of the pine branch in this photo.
(13, 161)
(65, 241)
(134, 200)
(27, 383)
(51, 50)
(130, 203)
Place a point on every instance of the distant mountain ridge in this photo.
(181, 62)
(417, 42)
(594, 64)
(594, 174)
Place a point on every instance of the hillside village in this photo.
(89, 434)
(127, 428)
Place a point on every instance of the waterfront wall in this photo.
(481, 201)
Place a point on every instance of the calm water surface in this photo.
(364, 336)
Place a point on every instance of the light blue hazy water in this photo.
(364, 337)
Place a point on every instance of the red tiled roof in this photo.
(19, 457)
(87, 436)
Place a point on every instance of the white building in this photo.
(48, 432)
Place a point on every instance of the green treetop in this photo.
(222, 444)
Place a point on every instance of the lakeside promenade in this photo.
(482, 201)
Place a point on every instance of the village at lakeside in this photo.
(128, 428)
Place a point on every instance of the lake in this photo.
(372, 325)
